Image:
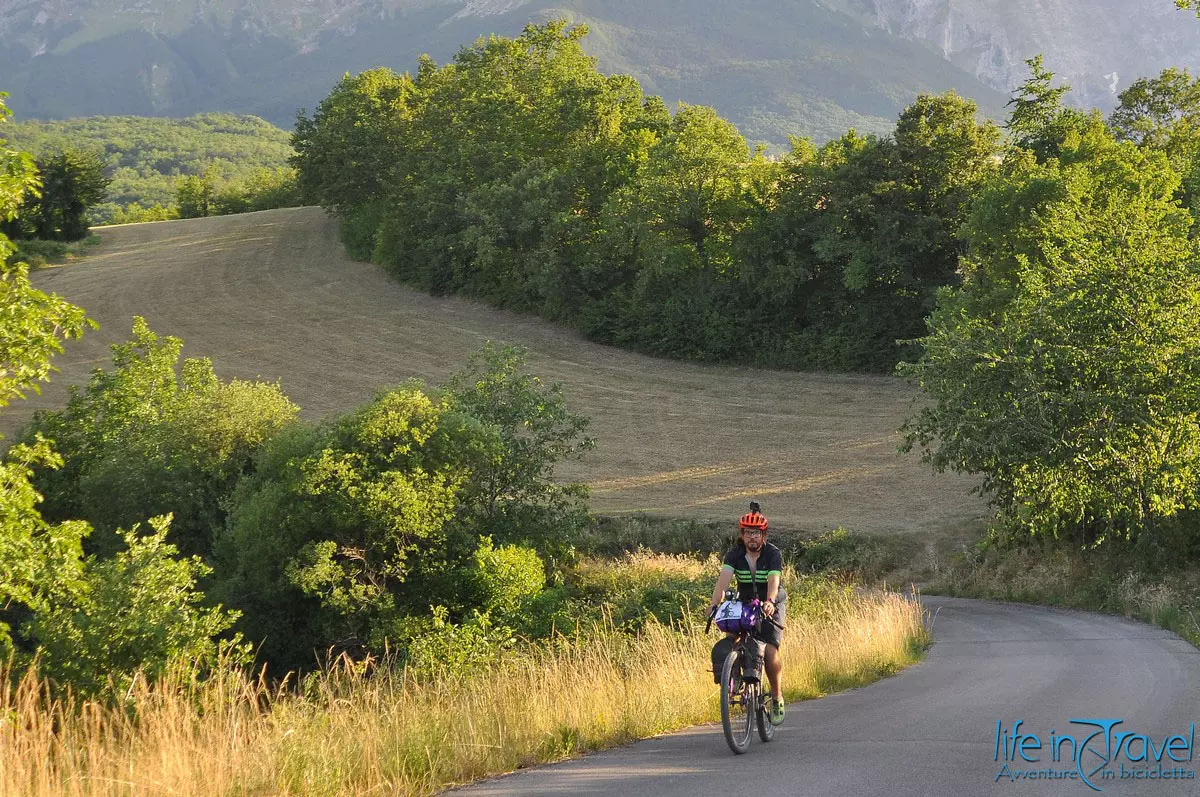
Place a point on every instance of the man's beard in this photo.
(754, 547)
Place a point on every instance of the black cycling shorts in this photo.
(772, 632)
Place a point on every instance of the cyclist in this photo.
(758, 567)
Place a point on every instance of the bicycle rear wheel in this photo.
(737, 704)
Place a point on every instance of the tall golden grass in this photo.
(345, 732)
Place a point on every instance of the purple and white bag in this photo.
(735, 616)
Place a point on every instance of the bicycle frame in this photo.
(741, 687)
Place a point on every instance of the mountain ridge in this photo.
(775, 67)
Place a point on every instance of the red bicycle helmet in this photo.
(753, 520)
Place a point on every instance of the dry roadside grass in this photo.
(272, 295)
(349, 734)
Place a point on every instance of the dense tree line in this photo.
(520, 174)
(1057, 265)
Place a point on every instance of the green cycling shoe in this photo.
(775, 715)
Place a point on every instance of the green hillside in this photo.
(146, 156)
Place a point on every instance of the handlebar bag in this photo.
(735, 616)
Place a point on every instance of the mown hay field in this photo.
(272, 295)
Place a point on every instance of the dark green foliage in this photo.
(72, 182)
(423, 514)
(359, 227)
(342, 151)
(145, 440)
(522, 175)
(138, 611)
(865, 230)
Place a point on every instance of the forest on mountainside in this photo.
(146, 159)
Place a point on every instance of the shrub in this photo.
(144, 440)
(347, 534)
(506, 577)
(136, 612)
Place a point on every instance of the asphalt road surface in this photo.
(931, 731)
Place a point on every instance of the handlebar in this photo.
(761, 618)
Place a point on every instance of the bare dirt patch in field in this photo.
(272, 295)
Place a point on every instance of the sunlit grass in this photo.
(348, 732)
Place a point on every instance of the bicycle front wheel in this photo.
(766, 731)
(737, 705)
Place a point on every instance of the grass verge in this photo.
(346, 731)
(39, 254)
(1054, 574)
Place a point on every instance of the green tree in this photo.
(345, 151)
(1039, 121)
(86, 620)
(196, 195)
(525, 430)
(1163, 113)
(860, 234)
(73, 181)
(693, 184)
(34, 555)
(150, 437)
(332, 537)
(1157, 111)
(1063, 371)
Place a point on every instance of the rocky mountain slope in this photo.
(776, 67)
(1099, 46)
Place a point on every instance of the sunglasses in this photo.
(754, 532)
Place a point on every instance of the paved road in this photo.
(931, 731)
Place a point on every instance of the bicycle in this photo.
(743, 702)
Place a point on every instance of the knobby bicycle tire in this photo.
(737, 728)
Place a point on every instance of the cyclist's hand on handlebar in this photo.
(768, 609)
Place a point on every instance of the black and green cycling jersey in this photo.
(752, 582)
